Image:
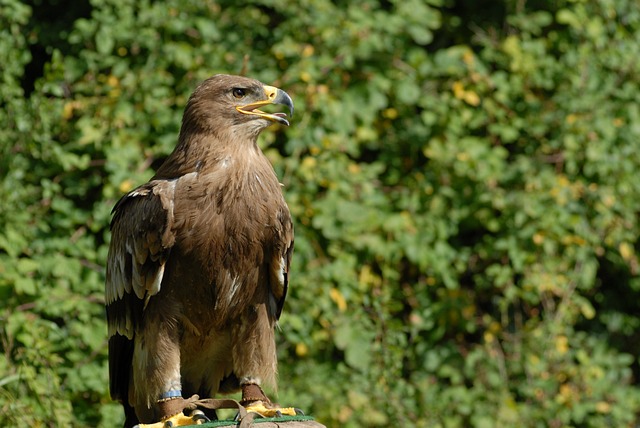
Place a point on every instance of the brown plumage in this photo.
(198, 266)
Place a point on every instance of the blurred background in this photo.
(463, 177)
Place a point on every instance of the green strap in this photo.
(257, 420)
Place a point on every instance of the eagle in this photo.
(198, 264)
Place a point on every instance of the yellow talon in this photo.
(178, 420)
(266, 412)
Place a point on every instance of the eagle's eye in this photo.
(239, 93)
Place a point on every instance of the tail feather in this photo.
(120, 358)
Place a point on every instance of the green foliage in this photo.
(463, 183)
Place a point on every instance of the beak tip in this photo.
(283, 98)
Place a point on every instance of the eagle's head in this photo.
(233, 103)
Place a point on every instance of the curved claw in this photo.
(299, 412)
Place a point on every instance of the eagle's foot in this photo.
(254, 400)
(269, 410)
(197, 417)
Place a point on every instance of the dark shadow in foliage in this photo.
(48, 29)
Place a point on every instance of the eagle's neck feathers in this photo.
(204, 153)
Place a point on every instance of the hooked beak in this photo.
(274, 96)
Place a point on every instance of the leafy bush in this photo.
(462, 176)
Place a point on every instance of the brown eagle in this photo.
(198, 266)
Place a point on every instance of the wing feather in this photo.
(281, 261)
(141, 239)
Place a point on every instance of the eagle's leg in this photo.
(254, 357)
(156, 373)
